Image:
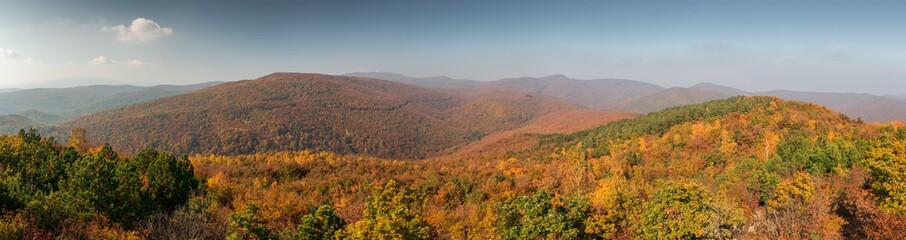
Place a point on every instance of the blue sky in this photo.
(840, 46)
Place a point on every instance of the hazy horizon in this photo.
(833, 46)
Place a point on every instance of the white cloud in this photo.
(138, 63)
(102, 60)
(140, 30)
(9, 54)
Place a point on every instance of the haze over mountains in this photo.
(51, 105)
(641, 97)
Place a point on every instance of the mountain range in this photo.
(640, 97)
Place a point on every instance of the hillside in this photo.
(289, 111)
(286, 111)
(503, 110)
(57, 100)
(563, 121)
(12, 123)
(51, 105)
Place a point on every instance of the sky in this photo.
(827, 46)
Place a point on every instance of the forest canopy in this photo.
(744, 167)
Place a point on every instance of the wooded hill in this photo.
(292, 111)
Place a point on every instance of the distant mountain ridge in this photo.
(68, 83)
(603, 94)
(50, 105)
(429, 82)
(641, 97)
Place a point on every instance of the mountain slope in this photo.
(12, 123)
(56, 100)
(286, 111)
(295, 111)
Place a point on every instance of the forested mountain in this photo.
(51, 105)
(12, 123)
(286, 111)
(289, 111)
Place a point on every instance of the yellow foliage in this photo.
(728, 146)
(799, 188)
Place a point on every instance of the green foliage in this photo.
(887, 162)
(170, 180)
(57, 184)
(92, 179)
(247, 225)
(391, 212)
(536, 216)
(829, 155)
(321, 224)
(682, 210)
(796, 152)
(763, 183)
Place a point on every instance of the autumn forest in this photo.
(310, 156)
